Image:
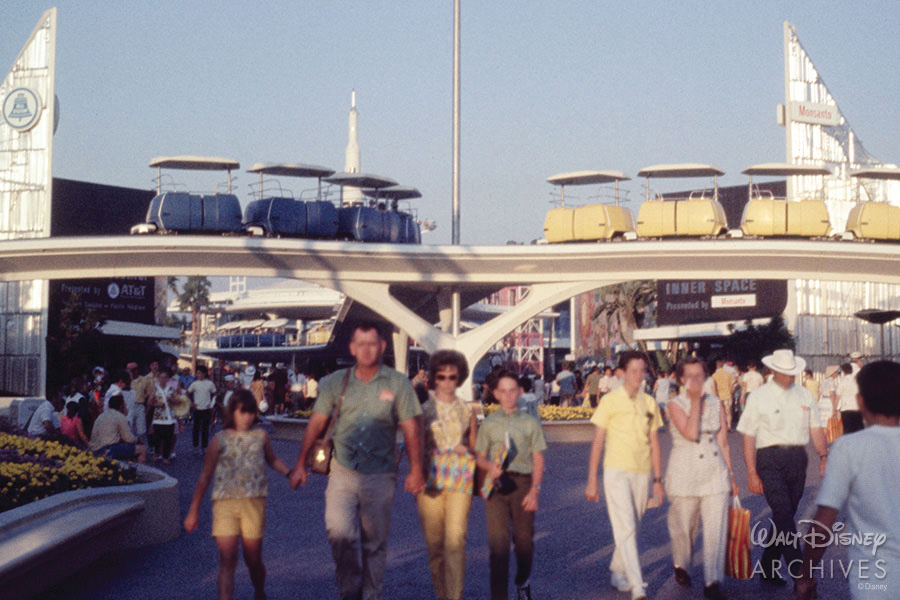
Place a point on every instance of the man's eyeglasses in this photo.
(446, 377)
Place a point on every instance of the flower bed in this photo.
(560, 424)
(31, 469)
(554, 413)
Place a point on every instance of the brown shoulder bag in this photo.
(319, 458)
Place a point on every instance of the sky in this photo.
(547, 87)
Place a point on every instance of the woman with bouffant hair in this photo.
(450, 428)
(445, 358)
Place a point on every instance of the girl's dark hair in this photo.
(493, 382)
(71, 409)
(241, 400)
(447, 358)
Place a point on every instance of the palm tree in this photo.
(193, 298)
(626, 304)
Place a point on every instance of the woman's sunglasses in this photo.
(445, 377)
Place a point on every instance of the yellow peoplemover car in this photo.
(591, 222)
(874, 220)
(768, 216)
(698, 215)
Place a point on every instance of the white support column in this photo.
(401, 350)
(445, 309)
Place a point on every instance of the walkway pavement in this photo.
(573, 539)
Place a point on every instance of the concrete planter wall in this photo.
(45, 541)
(568, 431)
(285, 428)
(160, 521)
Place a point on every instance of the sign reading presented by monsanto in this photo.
(711, 300)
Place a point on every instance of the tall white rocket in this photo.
(352, 195)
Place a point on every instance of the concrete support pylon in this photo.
(474, 343)
(377, 297)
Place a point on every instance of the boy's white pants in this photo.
(626, 496)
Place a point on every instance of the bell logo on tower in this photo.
(21, 109)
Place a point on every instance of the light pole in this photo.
(455, 307)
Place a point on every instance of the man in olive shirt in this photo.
(592, 386)
(363, 476)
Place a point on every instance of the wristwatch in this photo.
(657, 480)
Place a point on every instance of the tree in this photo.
(626, 304)
(193, 298)
(750, 344)
(74, 341)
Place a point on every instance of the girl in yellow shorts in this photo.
(235, 463)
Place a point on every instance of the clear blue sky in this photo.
(546, 87)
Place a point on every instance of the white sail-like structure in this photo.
(27, 122)
(818, 133)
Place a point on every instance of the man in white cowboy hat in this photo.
(777, 424)
(247, 376)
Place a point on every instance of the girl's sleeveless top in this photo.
(241, 468)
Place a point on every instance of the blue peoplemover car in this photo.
(372, 216)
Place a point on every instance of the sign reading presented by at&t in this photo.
(711, 300)
(130, 299)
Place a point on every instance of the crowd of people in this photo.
(129, 415)
(779, 410)
(361, 409)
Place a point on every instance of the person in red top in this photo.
(70, 425)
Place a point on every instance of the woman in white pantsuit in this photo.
(699, 478)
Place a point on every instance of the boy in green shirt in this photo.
(517, 485)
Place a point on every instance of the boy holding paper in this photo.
(517, 483)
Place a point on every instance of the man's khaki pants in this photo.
(358, 510)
